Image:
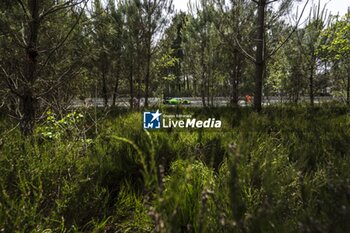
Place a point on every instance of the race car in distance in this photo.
(176, 101)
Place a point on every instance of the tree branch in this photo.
(237, 45)
(8, 78)
(23, 8)
(62, 6)
(269, 2)
(64, 39)
(58, 82)
(288, 37)
(244, 52)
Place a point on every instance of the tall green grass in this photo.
(284, 170)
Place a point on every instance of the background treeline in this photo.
(55, 51)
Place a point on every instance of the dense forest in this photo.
(53, 52)
(68, 164)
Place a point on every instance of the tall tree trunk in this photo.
(188, 83)
(104, 72)
(194, 88)
(203, 88)
(147, 77)
(296, 89)
(183, 86)
(234, 78)
(116, 85)
(237, 62)
(208, 88)
(259, 58)
(203, 83)
(138, 75)
(203, 96)
(139, 86)
(148, 61)
(212, 94)
(131, 83)
(311, 81)
(104, 89)
(348, 87)
(28, 98)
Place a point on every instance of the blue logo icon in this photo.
(151, 120)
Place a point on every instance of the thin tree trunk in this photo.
(138, 75)
(147, 78)
(348, 87)
(203, 97)
(259, 59)
(203, 88)
(238, 76)
(104, 89)
(297, 89)
(183, 86)
(131, 83)
(188, 83)
(148, 62)
(234, 79)
(139, 87)
(194, 89)
(212, 94)
(237, 62)
(208, 88)
(311, 81)
(203, 75)
(115, 92)
(104, 72)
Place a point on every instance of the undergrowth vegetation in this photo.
(284, 170)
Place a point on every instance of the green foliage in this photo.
(337, 40)
(194, 209)
(284, 170)
(56, 129)
(131, 214)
